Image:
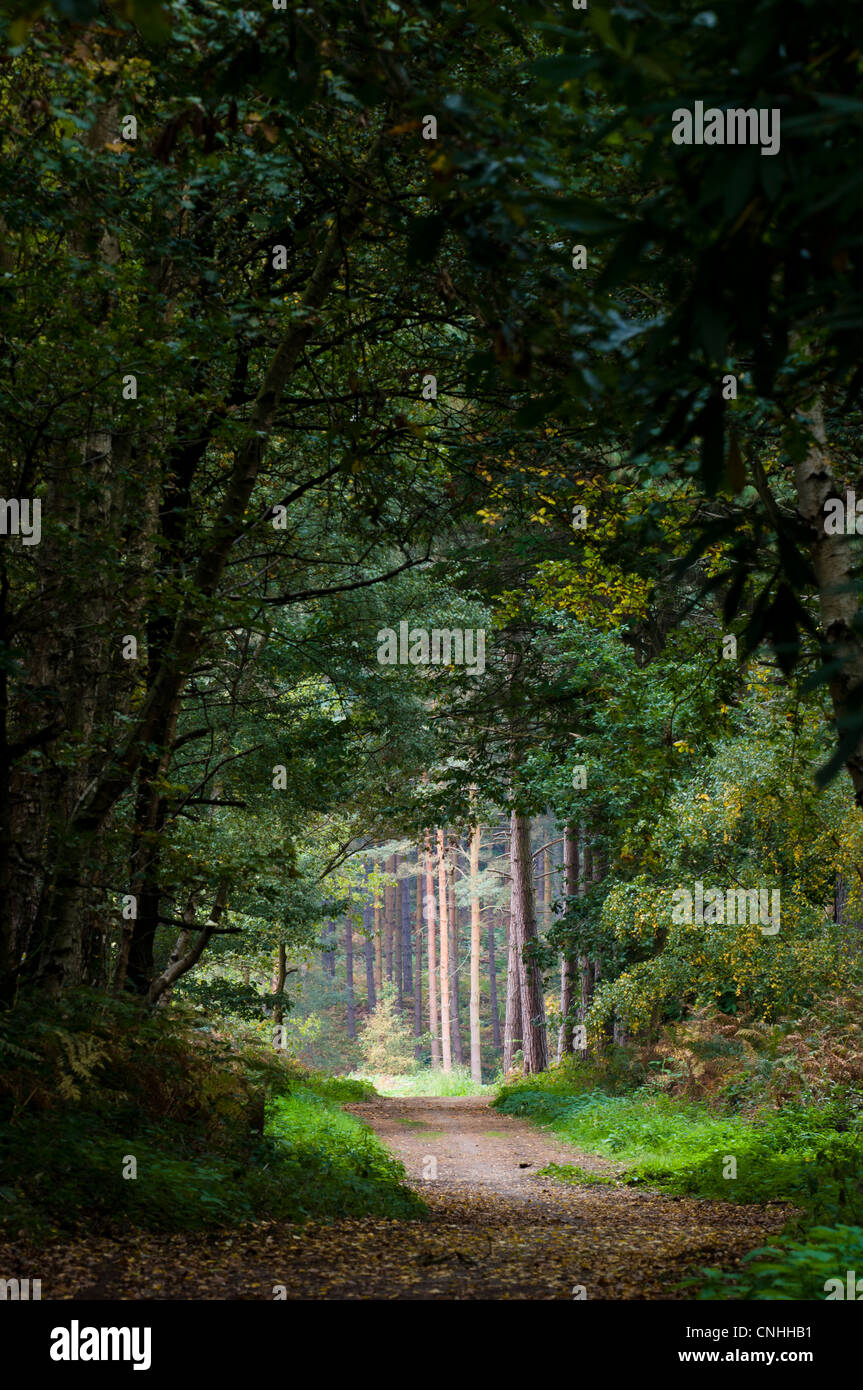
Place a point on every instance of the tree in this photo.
(385, 1039)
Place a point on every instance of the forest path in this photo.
(497, 1230)
(501, 1230)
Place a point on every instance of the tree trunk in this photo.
(834, 561)
(567, 962)
(512, 1028)
(429, 912)
(585, 965)
(187, 956)
(418, 945)
(379, 958)
(349, 972)
(57, 960)
(475, 1039)
(454, 953)
(445, 1025)
(389, 920)
(492, 986)
(407, 938)
(535, 1045)
(398, 962)
(368, 929)
(279, 977)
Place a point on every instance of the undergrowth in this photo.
(216, 1133)
(783, 1102)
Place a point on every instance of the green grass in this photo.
(570, 1172)
(430, 1083)
(84, 1091)
(808, 1156)
(333, 1164)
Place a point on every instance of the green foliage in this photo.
(339, 1089)
(386, 1041)
(104, 1083)
(790, 1269)
(808, 1156)
(333, 1165)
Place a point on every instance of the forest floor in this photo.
(498, 1229)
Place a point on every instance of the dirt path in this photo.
(498, 1230)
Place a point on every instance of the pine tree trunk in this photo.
(407, 939)
(445, 1025)
(398, 962)
(389, 920)
(429, 912)
(512, 1028)
(418, 950)
(349, 972)
(454, 955)
(368, 929)
(379, 949)
(475, 1039)
(585, 964)
(492, 988)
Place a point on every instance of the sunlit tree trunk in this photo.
(475, 923)
(418, 952)
(379, 955)
(454, 955)
(492, 986)
(349, 972)
(406, 937)
(429, 913)
(389, 920)
(445, 1033)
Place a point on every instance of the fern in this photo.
(84, 1053)
(21, 1054)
